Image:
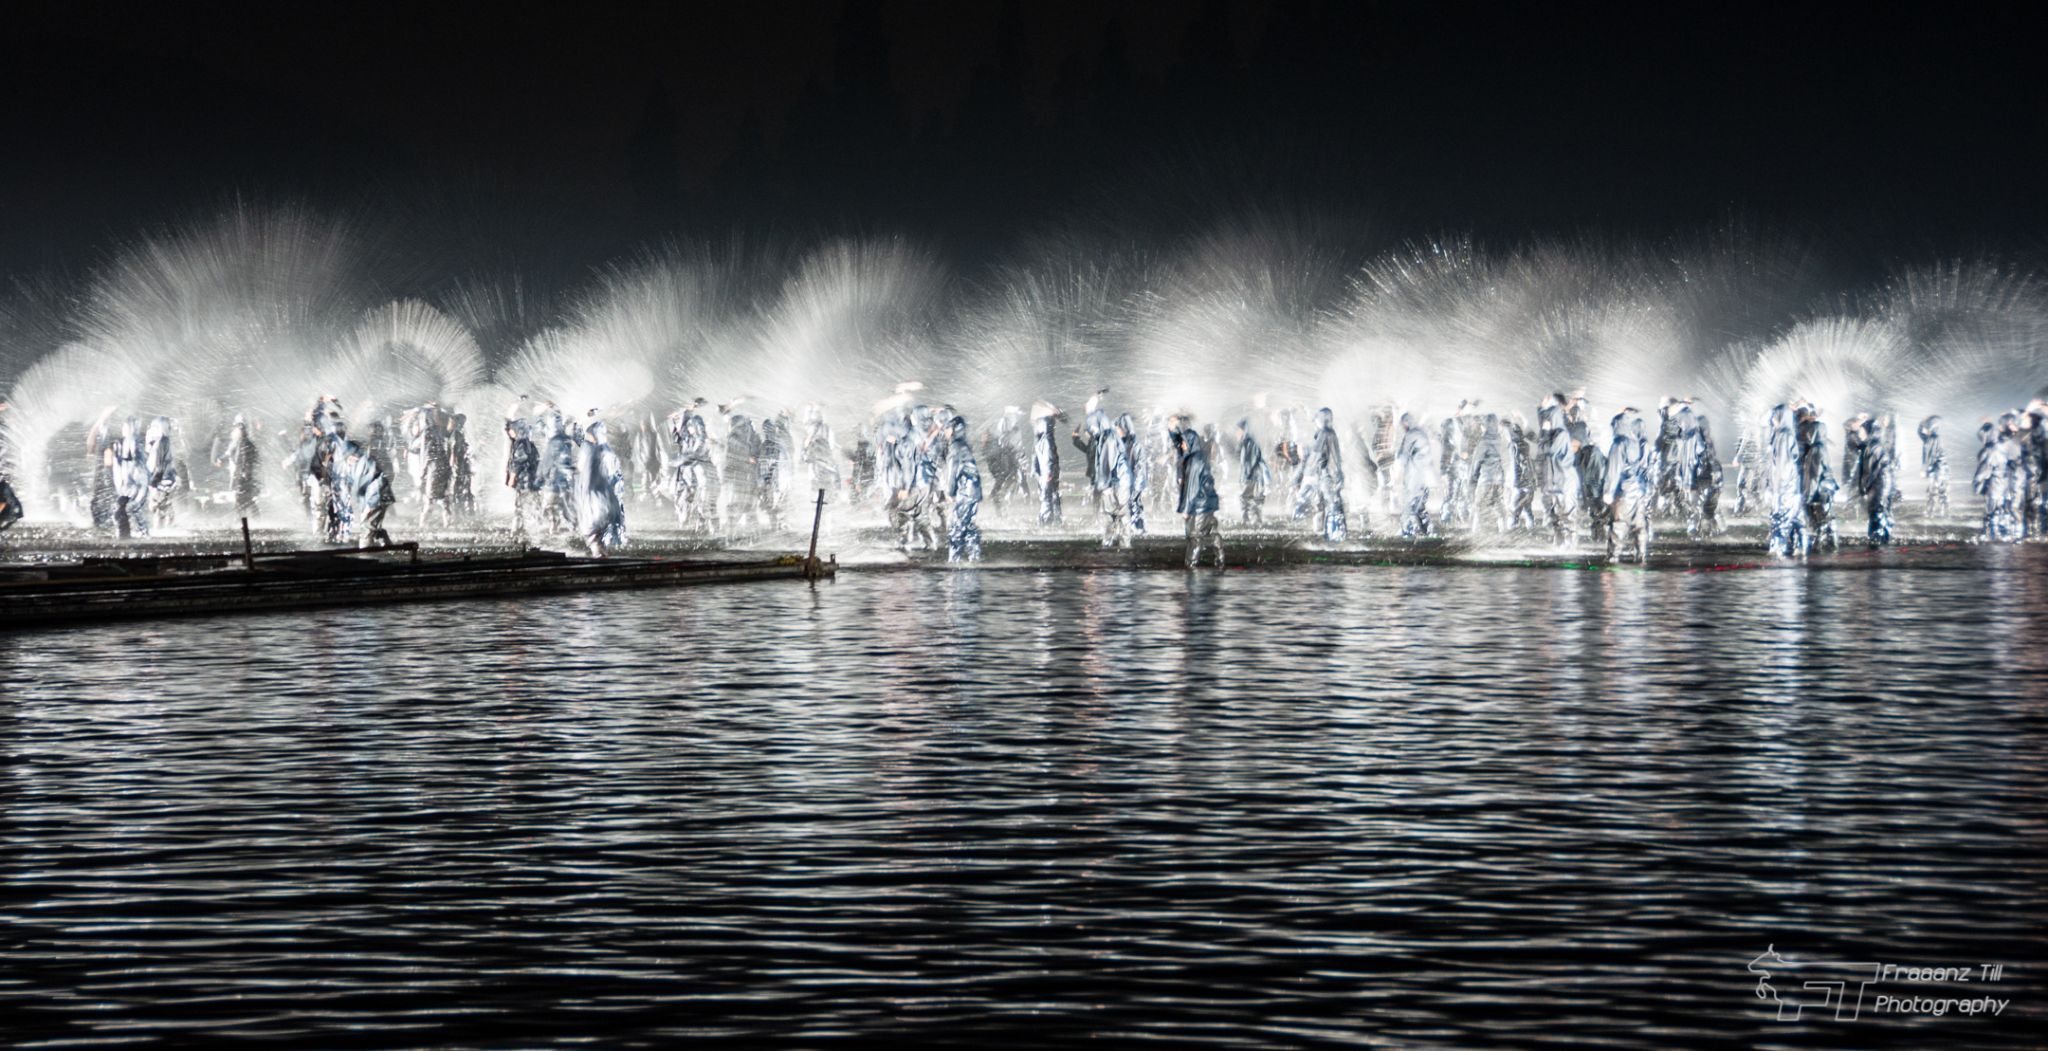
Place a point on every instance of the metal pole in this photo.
(248, 548)
(817, 519)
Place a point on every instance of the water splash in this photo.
(258, 310)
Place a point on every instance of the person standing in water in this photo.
(522, 476)
(1877, 472)
(10, 504)
(1630, 487)
(1197, 498)
(1322, 477)
(963, 487)
(1816, 481)
(1781, 490)
(239, 457)
(1417, 461)
(1253, 475)
(600, 492)
(1045, 462)
(1113, 473)
(1934, 464)
(1557, 473)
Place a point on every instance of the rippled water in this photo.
(1424, 807)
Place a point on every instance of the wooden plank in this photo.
(319, 583)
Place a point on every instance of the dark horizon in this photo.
(500, 143)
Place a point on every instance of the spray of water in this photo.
(252, 313)
(258, 311)
(1053, 327)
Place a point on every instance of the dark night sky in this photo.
(546, 142)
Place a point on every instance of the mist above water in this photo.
(257, 311)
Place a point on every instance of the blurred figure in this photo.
(1934, 465)
(1197, 500)
(1287, 457)
(461, 466)
(1817, 483)
(892, 458)
(933, 437)
(1855, 435)
(1877, 473)
(861, 467)
(1452, 462)
(1707, 475)
(1687, 466)
(128, 466)
(1253, 475)
(1138, 465)
(1996, 478)
(1668, 490)
(522, 476)
(600, 493)
(1522, 472)
(558, 467)
(1322, 478)
(325, 417)
(1557, 471)
(696, 472)
(1045, 462)
(821, 453)
(1781, 487)
(1212, 445)
(1088, 439)
(742, 473)
(1592, 467)
(774, 464)
(1003, 458)
(10, 503)
(161, 465)
(99, 488)
(304, 467)
(2033, 438)
(919, 473)
(1416, 458)
(427, 434)
(963, 487)
(368, 492)
(1386, 441)
(1492, 500)
(381, 446)
(1630, 487)
(1113, 472)
(1749, 474)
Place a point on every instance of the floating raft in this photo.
(179, 585)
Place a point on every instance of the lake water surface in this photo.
(1424, 807)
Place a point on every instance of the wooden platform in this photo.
(95, 589)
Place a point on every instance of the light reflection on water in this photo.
(1433, 807)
